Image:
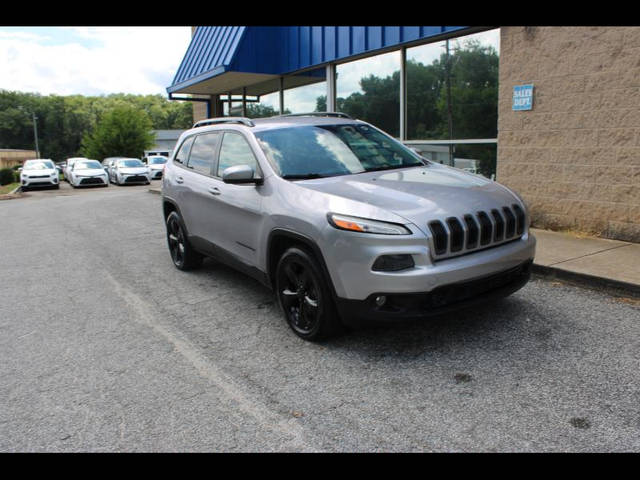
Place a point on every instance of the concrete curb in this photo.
(616, 287)
(155, 191)
(13, 194)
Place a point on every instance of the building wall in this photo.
(199, 111)
(575, 157)
(10, 158)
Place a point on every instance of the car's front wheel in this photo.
(182, 253)
(304, 296)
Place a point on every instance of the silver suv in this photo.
(344, 222)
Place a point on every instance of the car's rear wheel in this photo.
(182, 253)
(304, 296)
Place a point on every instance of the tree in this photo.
(123, 131)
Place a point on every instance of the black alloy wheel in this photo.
(182, 254)
(304, 296)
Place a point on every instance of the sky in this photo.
(91, 60)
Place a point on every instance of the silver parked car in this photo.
(88, 172)
(129, 171)
(39, 173)
(156, 165)
(344, 222)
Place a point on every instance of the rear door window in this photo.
(203, 153)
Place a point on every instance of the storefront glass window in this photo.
(369, 89)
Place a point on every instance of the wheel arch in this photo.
(280, 240)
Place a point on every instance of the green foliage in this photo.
(123, 131)
(63, 121)
(6, 176)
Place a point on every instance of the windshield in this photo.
(130, 163)
(157, 160)
(38, 166)
(327, 150)
(85, 164)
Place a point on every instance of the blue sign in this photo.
(522, 97)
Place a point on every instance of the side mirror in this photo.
(240, 174)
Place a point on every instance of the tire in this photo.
(57, 186)
(304, 296)
(183, 255)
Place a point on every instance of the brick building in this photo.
(575, 156)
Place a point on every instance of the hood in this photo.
(158, 166)
(419, 194)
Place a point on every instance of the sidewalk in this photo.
(590, 260)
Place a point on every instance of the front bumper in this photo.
(440, 300)
(134, 178)
(352, 256)
(45, 181)
(91, 181)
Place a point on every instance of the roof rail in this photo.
(213, 121)
(319, 114)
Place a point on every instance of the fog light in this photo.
(392, 263)
(380, 300)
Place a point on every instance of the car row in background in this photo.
(81, 171)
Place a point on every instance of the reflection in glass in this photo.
(369, 89)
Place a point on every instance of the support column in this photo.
(403, 94)
(281, 95)
(331, 88)
(244, 101)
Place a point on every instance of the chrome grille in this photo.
(476, 231)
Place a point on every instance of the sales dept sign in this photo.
(522, 97)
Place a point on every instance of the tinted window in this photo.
(203, 152)
(235, 151)
(183, 153)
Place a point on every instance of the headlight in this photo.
(363, 225)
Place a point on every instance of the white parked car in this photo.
(127, 171)
(69, 165)
(88, 172)
(156, 165)
(39, 173)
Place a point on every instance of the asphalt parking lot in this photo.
(105, 346)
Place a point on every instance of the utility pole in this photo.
(449, 110)
(35, 133)
(35, 127)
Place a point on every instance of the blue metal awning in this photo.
(228, 59)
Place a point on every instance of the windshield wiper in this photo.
(304, 176)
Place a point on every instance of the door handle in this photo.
(214, 191)
(179, 180)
